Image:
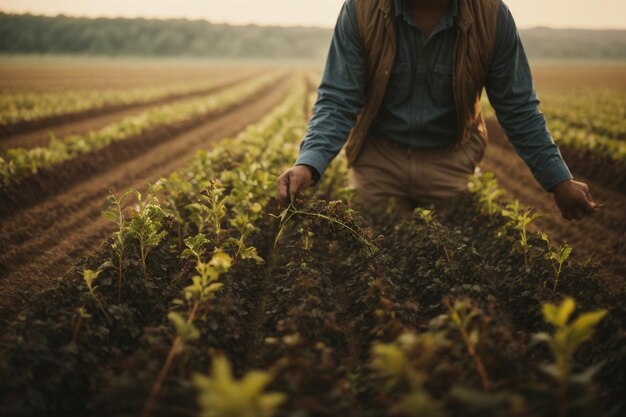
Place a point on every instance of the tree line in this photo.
(30, 34)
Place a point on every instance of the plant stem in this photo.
(158, 383)
(120, 278)
(478, 362)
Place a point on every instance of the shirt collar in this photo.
(400, 6)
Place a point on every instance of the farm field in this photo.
(199, 296)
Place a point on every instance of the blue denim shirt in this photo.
(418, 109)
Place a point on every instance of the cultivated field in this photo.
(197, 295)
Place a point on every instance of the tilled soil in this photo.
(40, 242)
(601, 237)
(37, 133)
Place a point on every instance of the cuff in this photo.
(552, 174)
(313, 159)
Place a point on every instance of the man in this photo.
(402, 84)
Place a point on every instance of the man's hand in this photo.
(294, 180)
(573, 199)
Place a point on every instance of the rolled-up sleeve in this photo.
(511, 93)
(341, 95)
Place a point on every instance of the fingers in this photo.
(283, 188)
(294, 187)
(590, 203)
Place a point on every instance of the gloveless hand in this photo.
(293, 181)
(574, 199)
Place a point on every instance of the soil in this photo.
(601, 236)
(37, 133)
(39, 243)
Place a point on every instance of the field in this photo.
(195, 294)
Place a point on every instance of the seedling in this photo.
(116, 215)
(146, 225)
(558, 256)
(519, 220)
(462, 316)
(404, 360)
(204, 288)
(564, 342)
(486, 188)
(89, 277)
(221, 395)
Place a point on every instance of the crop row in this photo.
(206, 281)
(19, 163)
(24, 106)
(592, 122)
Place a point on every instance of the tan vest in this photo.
(476, 29)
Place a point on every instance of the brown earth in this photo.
(37, 133)
(39, 243)
(601, 236)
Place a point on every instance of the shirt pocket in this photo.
(399, 83)
(442, 84)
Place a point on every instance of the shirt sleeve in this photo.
(512, 95)
(341, 95)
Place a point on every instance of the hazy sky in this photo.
(599, 14)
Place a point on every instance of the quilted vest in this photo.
(476, 30)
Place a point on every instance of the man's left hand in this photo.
(574, 199)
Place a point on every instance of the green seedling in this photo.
(558, 257)
(486, 188)
(405, 361)
(209, 210)
(195, 246)
(568, 336)
(462, 316)
(204, 288)
(221, 395)
(90, 277)
(519, 219)
(115, 213)
(145, 225)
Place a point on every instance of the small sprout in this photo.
(90, 277)
(558, 257)
(221, 395)
(563, 344)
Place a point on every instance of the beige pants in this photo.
(412, 177)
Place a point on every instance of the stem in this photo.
(478, 362)
(169, 360)
(558, 274)
(143, 261)
(120, 278)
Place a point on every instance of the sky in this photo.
(590, 14)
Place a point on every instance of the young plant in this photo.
(439, 233)
(209, 210)
(405, 361)
(558, 257)
(204, 288)
(564, 342)
(82, 316)
(145, 225)
(195, 246)
(519, 220)
(89, 277)
(462, 316)
(243, 224)
(115, 213)
(485, 187)
(221, 395)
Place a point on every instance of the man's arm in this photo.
(511, 93)
(341, 96)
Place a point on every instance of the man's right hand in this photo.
(293, 181)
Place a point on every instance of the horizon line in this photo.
(265, 25)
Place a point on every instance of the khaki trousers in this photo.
(413, 177)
